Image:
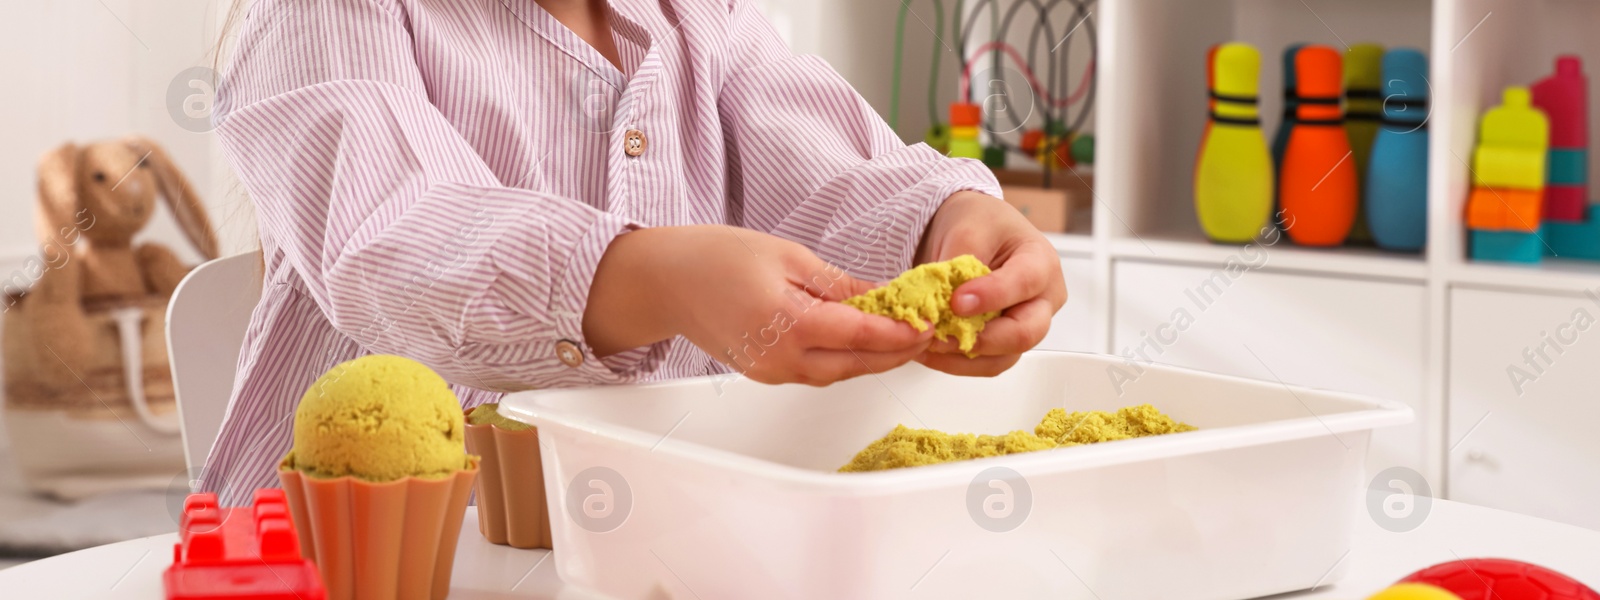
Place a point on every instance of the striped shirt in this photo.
(439, 178)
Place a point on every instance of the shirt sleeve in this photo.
(401, 233)
(811, 161)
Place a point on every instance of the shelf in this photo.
(1181, 248)
(1153, 105)
(1556, 275)
(1071, 242)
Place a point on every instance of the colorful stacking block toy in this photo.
(1233, 172)
(964, 120)
(1504, 209)
(1564, 98)
(1575, 240)
(240, 553)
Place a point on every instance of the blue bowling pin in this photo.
(1397, 173)
(1280, 139)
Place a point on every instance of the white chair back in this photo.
(206, 323)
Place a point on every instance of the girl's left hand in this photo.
(1026, 284)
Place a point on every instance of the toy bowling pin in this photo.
(1363, 108)
(1291, 104)
(1564, 98)
(1318, 185)
(1233, 173)
(1397, 172)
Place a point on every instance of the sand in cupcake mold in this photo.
(379, 418)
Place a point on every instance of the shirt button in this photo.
(569, 353)
(634, 142)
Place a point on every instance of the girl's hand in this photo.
(1026, 285)
(765, 306)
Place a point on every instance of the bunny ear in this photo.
(58, 192)
(180, 196)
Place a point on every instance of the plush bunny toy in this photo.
(92, 200)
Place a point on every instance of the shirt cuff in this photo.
(570, 297)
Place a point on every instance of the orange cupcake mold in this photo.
(512, 509)
(380, 540)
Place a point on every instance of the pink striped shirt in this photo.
(439, 178)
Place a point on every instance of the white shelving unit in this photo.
(1433, 329)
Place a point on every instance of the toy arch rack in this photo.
(1024, 103)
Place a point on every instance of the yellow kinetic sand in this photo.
(379, 418)
(1094, 426)
(1512, 143)
(921, 297)
(489, 414)
(906, 447)
(1233, 180)
(1363, 84)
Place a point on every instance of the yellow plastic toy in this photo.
(1363, 83)
(1512, 143)
(1233, 179)
(1414, 591)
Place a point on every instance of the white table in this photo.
(483, 571)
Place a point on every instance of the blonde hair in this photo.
(220, 51)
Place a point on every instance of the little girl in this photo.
(546, 193)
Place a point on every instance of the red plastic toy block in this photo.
(1565, 203)
(246, 553)
(1564, 97)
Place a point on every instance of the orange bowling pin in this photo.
(1318, 184)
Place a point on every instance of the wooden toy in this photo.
(1564, 99)
(938, 138)
(1051, 208)
(1512, 144)
(1032, 141)
(964, 120)
(1083, 148)
(1233, 172)
(1396, 185)
(1363, 82)
(1501, 579)
(1291, 104)
(238, 553)
(1318, 185)
(994, 157)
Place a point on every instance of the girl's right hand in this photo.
(763, 305)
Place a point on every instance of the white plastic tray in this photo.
(718, 488)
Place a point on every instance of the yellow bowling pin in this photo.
(1233, 173)
(1363, 108)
